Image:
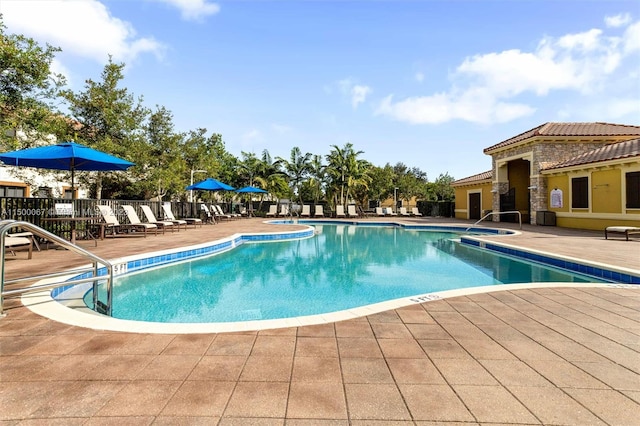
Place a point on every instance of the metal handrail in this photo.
(6, 225)
(497, 213)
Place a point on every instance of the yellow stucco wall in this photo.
(606, 200)
(462, 198)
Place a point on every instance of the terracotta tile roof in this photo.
(570, 129)
(474, 178)
(614, 151)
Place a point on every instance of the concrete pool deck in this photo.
(559, 355)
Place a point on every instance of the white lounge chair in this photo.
(209, 217)
(168, 214)
(404, 212)
(624, 230)
(389, 212)
(11, 244)
(379, 211)
(135, 220)
(219, 214)
(113, 224)
(306, 210)
(351, 211)
(340, 211)
(415, 212)
(273, 210)
(284, 210)
(151, 218)
(220, 211)
(319, 211)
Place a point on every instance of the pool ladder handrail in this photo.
(6, 225)
(497, 213)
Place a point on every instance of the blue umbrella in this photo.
(251, 189)
(210, 184)
(65, 156)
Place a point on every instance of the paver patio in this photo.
(559, 355)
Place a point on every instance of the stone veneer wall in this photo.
(543, 155)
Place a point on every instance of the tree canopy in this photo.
(105, 115)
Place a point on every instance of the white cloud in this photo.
(359, 95)
(617, 20)
(83, 28)
(193, 10)
(485, 85)
(355, 93)
(419, 77)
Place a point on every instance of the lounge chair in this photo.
(319, 212)
(351, 211)
(11, 244)
(209, 217)
(273, 210)
(218, 213)
(135, 220)
(380, 212)
(306, 210)
(340, 211)
(112, 224)
(404, 212)
(624, 230)
(168, 214)
(389, 212)
(284, 210)
(151, 218)
(415, 212)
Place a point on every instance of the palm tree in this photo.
(296, 169)
(343, 170)
(317, 177)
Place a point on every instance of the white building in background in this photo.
(18, 181)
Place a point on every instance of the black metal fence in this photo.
(42, 211)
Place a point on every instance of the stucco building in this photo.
(576, 175)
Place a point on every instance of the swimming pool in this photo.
(341, 267)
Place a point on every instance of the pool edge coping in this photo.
(42, 303)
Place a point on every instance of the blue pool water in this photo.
(342, 267)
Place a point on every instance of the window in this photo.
(11, 191)
(633, 190)
(580, 193)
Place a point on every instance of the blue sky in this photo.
(426, 83)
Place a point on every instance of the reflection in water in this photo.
(339, 268)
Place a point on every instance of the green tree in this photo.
(296, 169)
(108, 118)
(443, 189)
(345, 171)
(28, 89)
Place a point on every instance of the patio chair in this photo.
(135, 220)
(351, 211)
(380, 212)
(624, 230)
(11, 244)
(340, 211)
(284, 210)
(168, 214)
(112, 224)
(388, 211)
(319, 212)
(151, 218)
(306, 210)
(404, 212)
(208, 216)
(219, 214)
(273, 210)
(415, 212)
(233, 215)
